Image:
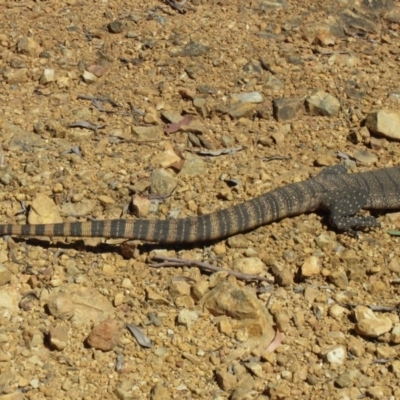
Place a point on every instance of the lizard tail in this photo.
(287, 201)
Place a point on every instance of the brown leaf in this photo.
(275, 343)
(177, 166)
(97, 70)
(175, 126)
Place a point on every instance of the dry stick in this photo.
(177, 6)
(178, 262)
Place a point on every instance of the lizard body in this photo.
(339, 193)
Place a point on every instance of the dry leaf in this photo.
(175, 126)
(275, 343)
(141, 338)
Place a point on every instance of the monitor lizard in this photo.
(342, 195)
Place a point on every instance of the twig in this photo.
(176, 262)
(265, 65)
(276, 157)
(101, 99)
(87, 125)
(378, 308)
(177, 6)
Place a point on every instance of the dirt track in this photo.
(93, 100)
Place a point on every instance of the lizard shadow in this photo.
(102, 248)
(78, 244)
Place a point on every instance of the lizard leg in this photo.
(344, 207)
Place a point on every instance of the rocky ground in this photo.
(193, 107)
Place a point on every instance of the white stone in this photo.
(89, 78)
(311, 266)
(334, 354)
(249, 265)
(374, 327)
(47, 76)
(384, 122)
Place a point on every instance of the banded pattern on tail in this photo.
(290, 200)
(339, 193)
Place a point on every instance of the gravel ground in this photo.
(193, 107)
